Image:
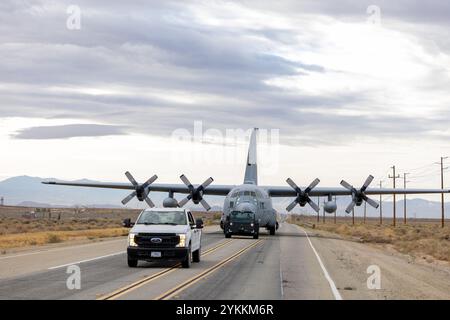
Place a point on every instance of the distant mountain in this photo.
(416, 207)
(25, 189)
(216, 208)
(33, 204)
(29, 191)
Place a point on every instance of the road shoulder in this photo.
(351, 264)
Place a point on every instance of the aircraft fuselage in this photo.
(250, 197)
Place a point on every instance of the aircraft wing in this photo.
(223, 190)
(316, 192)
(217, 190)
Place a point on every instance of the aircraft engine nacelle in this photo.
(170, 203)
(197, 197)
(142, 193)
(195, 193)
(330, 206)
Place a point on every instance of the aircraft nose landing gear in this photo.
(272, 230)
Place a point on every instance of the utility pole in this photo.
(353, 216)
(404, 197)
(318, 213)
(442, 195)
(381, 204)
(394, 177)
(335, 211)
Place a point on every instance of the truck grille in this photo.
(157, 240)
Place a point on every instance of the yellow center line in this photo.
(176, 290)
(121, 291)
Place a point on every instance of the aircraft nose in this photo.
(246, 207)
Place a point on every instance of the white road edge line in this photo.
(335, 291)
(281, 282)
(66, 247)
(60, 248)
(87, 260)
(281, 271)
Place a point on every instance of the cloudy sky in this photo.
(352, 86)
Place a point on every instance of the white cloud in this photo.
(330, 82)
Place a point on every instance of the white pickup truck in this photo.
(164, 234)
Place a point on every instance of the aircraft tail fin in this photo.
(251, 168)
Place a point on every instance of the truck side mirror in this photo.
(127, 223)
(199, 224)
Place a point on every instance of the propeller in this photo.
(196, 194)
(140, 190)
(302, 197)
(358, 196)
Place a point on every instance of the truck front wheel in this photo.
(132, 263)
(196, 255)
(186, 263)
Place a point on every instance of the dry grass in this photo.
(209, 218)
(420, 239)
(21, 232)
(20, 226)
(40, 238)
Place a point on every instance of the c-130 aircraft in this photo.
(249, 196)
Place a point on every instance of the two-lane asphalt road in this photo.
(291, 265)
(283, 266)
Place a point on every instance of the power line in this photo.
(424, 173)
(421, 167)
(425, 177)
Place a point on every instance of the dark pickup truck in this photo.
(241, 223)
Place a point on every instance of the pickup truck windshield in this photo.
(162, 217)
(242, 216)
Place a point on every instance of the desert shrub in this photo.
(53, 238)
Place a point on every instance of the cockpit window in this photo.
(240, 196)
(247, 193)
(162, 217)
(244, 193)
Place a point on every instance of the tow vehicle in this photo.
(241, 223)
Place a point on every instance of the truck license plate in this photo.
(155, 254)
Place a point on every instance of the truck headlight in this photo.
(251, 224)
(131, 242)
(182, 242)
(231, 223)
